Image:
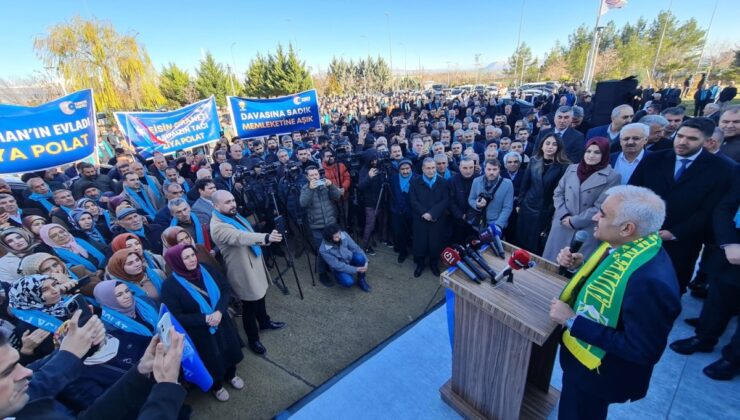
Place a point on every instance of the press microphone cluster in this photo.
(575, 245)
(453, 259)
(492, 235)
(519, 260)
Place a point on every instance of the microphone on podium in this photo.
(575, 245)
(468, 261)
(452, 258)
(478, 258)
(519, 260)
(492, 235)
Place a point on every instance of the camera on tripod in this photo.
(383, 162)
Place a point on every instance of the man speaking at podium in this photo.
(618, 308)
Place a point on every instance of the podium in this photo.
(504, 343)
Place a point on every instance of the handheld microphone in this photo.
(520, 259)
(452, 258)
(473, 253)
(468, 261)
(575, 245)
(492, 235)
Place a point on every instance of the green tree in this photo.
(91, 54)
(277, 74)
(576, 53)
(212, 79)
(175, 85)
(254, 83)
(681, 45)
(554, 66)
(521, 64)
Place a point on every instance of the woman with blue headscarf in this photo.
(73, 251)
(83, 226)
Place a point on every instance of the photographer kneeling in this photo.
(344, 257)
(318, 197)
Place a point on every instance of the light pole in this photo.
(390, 49)
(448, 74)
(233, 62)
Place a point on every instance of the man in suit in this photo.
(724, 294)
(632, 138)
(621, 116)
(572, 139)
(729, 122)
(675, 117)
(711, 111)
(691, 181)
(656, 140)
(203, 206)
(609, 350)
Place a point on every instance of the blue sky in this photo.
(430, 32)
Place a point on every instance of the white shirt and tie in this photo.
(683, 163)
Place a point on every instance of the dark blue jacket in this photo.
(131, 394)
(399, 199)
(651, 303)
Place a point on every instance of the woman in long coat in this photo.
(578, 197)
(198, 297)
(536, 195)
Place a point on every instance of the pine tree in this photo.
(174, 84)
(212, 79)
(254, 83)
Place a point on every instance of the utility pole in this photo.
(390, 48)
(518, 39)
(587, 76)
(660, 42)
(477, 68)
(231, 79)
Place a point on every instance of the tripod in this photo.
(271, 261)
(289, 258)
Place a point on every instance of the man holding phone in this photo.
(23, 395)
(317, 199)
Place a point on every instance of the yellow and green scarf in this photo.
(597, 289)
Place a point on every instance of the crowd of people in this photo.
(415, 172)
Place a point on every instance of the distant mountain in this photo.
(496, 66)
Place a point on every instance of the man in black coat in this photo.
(429, 197)
(724, 293)
(150, 235)
(573, 140)
(460, 186)
(729, 123)
(691, 181)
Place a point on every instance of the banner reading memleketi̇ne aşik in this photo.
(264, 117)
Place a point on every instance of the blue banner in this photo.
(283, 115)
(49, 135)
(168, 132)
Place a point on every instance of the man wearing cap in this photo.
(130, 221)
(400, 209)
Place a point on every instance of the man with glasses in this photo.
(632, 139)
(656, 139)
(171, 192)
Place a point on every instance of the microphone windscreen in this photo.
(519, 259)
(450, 256)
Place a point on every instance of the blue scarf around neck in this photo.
(429, 181)
(214, 294)
(244, 226)
(404, 182)
(144, 204)
(196, 227)
(128, 324)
